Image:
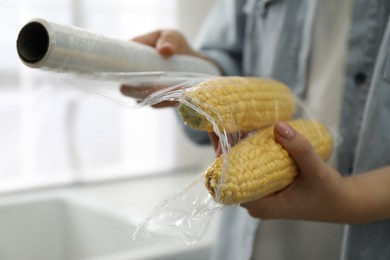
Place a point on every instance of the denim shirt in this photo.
(271, 38)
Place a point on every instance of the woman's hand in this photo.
(167, 43)
(317, 193)
(320, 193)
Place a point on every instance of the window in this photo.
(53, 133)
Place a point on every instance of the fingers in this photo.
(264, 208)
(231, 139)
(214, 139)
(149, 39)
(299, 148)
(164, 104)
(166, 42)
(140, 93)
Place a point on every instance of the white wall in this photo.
(190, 15)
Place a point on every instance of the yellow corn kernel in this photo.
(259, 166)
(237, 104)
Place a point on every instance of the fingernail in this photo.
(166, 49)
(284, 130)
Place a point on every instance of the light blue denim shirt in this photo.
(271, 38)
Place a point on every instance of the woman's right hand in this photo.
(167, 43)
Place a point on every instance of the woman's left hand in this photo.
(317, 193)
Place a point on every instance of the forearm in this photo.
(368, 195)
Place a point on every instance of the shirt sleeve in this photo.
(222, 35)
(221, 39)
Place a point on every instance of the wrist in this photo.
(348, 207)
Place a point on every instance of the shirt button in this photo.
(360, 78)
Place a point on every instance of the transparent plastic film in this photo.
(185, 215)
(144, 88)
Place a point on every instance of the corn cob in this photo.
(259, 166)
(237, 104)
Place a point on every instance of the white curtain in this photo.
(54, 133)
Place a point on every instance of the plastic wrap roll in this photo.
(51, 46)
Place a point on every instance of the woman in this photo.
(335, 55)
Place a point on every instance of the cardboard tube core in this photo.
(33, 42)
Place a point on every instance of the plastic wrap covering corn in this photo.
(238, 104)
(254, 165)
(257, 166)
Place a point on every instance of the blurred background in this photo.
(53, 134)
(78, 171)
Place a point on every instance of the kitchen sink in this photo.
(67, 226)
(59, 229)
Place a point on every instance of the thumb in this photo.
(149, 39)
(299, 148)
